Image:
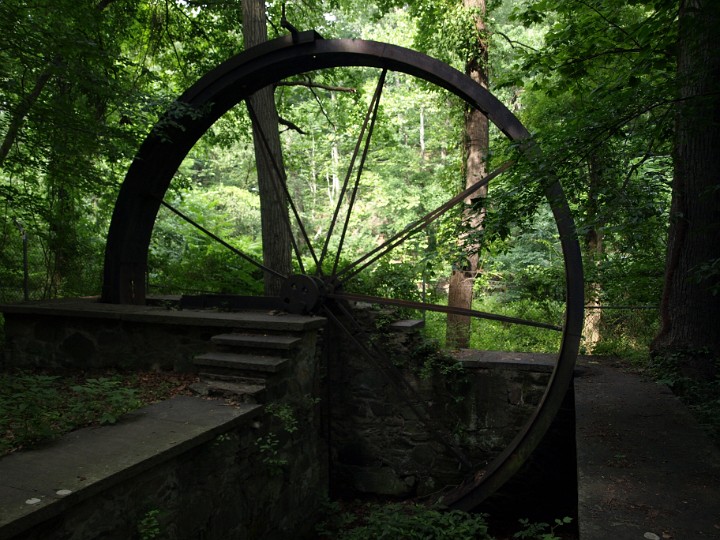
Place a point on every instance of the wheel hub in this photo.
(302, 294)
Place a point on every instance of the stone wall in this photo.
(274, 472)
(85, 334)
(263, 478)
(229, 486)
(477, 400)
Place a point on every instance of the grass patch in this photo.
(38, 407)
(499, 336)
(408, 520)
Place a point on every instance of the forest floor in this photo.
(40, 405)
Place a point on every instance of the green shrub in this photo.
(36, 407)
(394, 521)
(541, 531)
(498, 336)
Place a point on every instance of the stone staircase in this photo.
(245, 367)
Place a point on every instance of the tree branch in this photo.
(310, 84)
(29, 100)
(617, 50)
(290, 125)
(512, 42)
(21, 112)
(608, 21)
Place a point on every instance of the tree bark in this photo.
(593, 251)
(690, 307)
(273, 203)
(477, 137)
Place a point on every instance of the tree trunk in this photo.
(690, 308)
(593, 252)
(273, 204)
(476, 150)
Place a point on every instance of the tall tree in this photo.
(596, 84)
(476, 145)
(690, 308)
(269, 160)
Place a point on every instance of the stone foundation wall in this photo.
(277, 471)
(231, 486)
(84, 334)
(264, 478)
(478, 399)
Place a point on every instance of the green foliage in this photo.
(433, 360)
(269, 445)
(269, 448)
(371, 521)
(499, 336)
(28, 409)
(627, 333)
(184, 259)
(593, 82)
(694, 375)
(285, 414)
(541, 531)
(102, 400)
(407, 522)
(148, 527)
(36, 407)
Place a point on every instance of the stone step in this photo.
(232, 377)
(407, 325)
(258, 341)
(241, 362)
(241, 392)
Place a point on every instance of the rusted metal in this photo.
(352, 269)
(282, 193)
(426, 306)
(220, 241)
(374, 106)
(236, 79)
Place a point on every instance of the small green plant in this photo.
(268, 446)
(541, 531)
(223, 437)
(104, 400)
(408, 522)
(29, 410)
(149, 526)
(285, 414)
(39, 407)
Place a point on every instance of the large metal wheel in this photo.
(161, 154)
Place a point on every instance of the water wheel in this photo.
(321, 292)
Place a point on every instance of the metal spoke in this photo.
(340, 295)
(378, 93)
(222, 242)
(281, 184)
(379, 360)
(369, 258)
(370, 116)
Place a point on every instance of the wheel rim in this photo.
(161, 154)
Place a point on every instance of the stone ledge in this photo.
(523, 361)
(91, 308)
(91, 460)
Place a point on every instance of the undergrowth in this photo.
(375, 521)
(700, 394)
(501, 336)
(37, 407)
